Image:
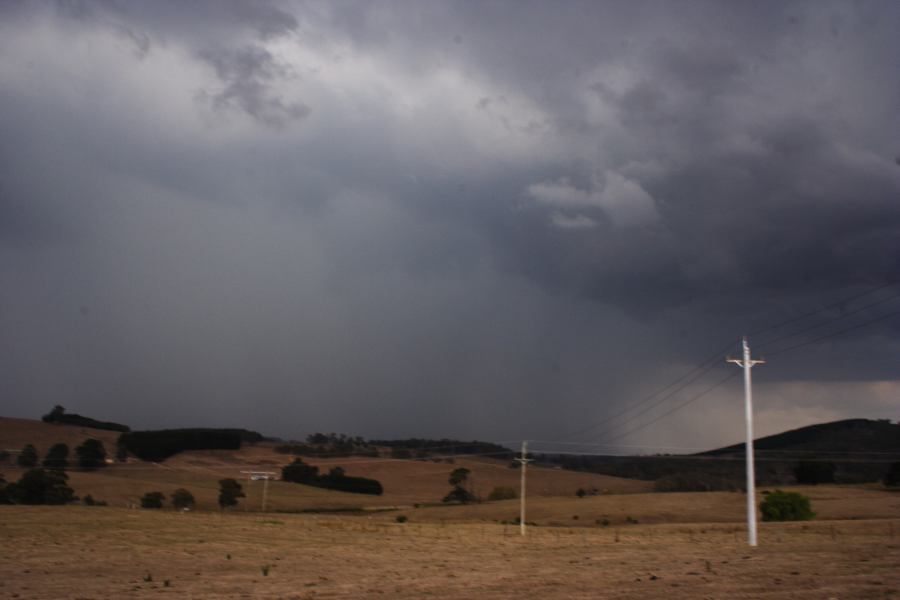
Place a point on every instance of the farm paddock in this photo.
(82, 553)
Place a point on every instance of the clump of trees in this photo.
(786, 506)
(59, 415)
(229, 492)
(458, 479)
(157, 446)
(37, 486)
(336, 479)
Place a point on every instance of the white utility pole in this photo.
(524, 460)
(747, 363)
(265, 476)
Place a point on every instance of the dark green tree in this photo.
(28, 457)
(814, 473)
(91, 454)
(54, 414)
(57, 457)
(121, 452)
(152, 500)
(182, 498)
(299, 472)
(229, 492)
(892, 477)
(39, 486)
(459, 476)
(458, 479)
(4, 493)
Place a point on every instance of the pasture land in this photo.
(96, 553)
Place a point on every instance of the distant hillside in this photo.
(857, 436)
(860, 450)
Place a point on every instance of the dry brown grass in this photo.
(93, 553)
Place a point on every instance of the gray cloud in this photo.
(440, 219)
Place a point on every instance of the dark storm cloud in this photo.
(488, 220)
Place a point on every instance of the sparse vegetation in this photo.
(786, 506)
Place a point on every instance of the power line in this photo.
(836, 333)
(830, 321)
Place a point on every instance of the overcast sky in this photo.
(493, 220)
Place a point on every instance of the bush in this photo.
(182, 498)
(152, 500)
(459, 494)
(502, 493)
(786, 506)
(402, 518)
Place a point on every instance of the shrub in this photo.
(502, 493)
(459, 494)
(402, 518)
(91, 454)
(28, 457)
(786, 506)
(581, 493)
(152, 500)
(182, 498)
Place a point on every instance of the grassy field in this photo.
(83, 553)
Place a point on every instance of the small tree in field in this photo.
(38, 486)
(57, 458)
(152, 500)
(786, 506)
(91, 454)
(28, 457)
(229, 492)
(182, 498)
